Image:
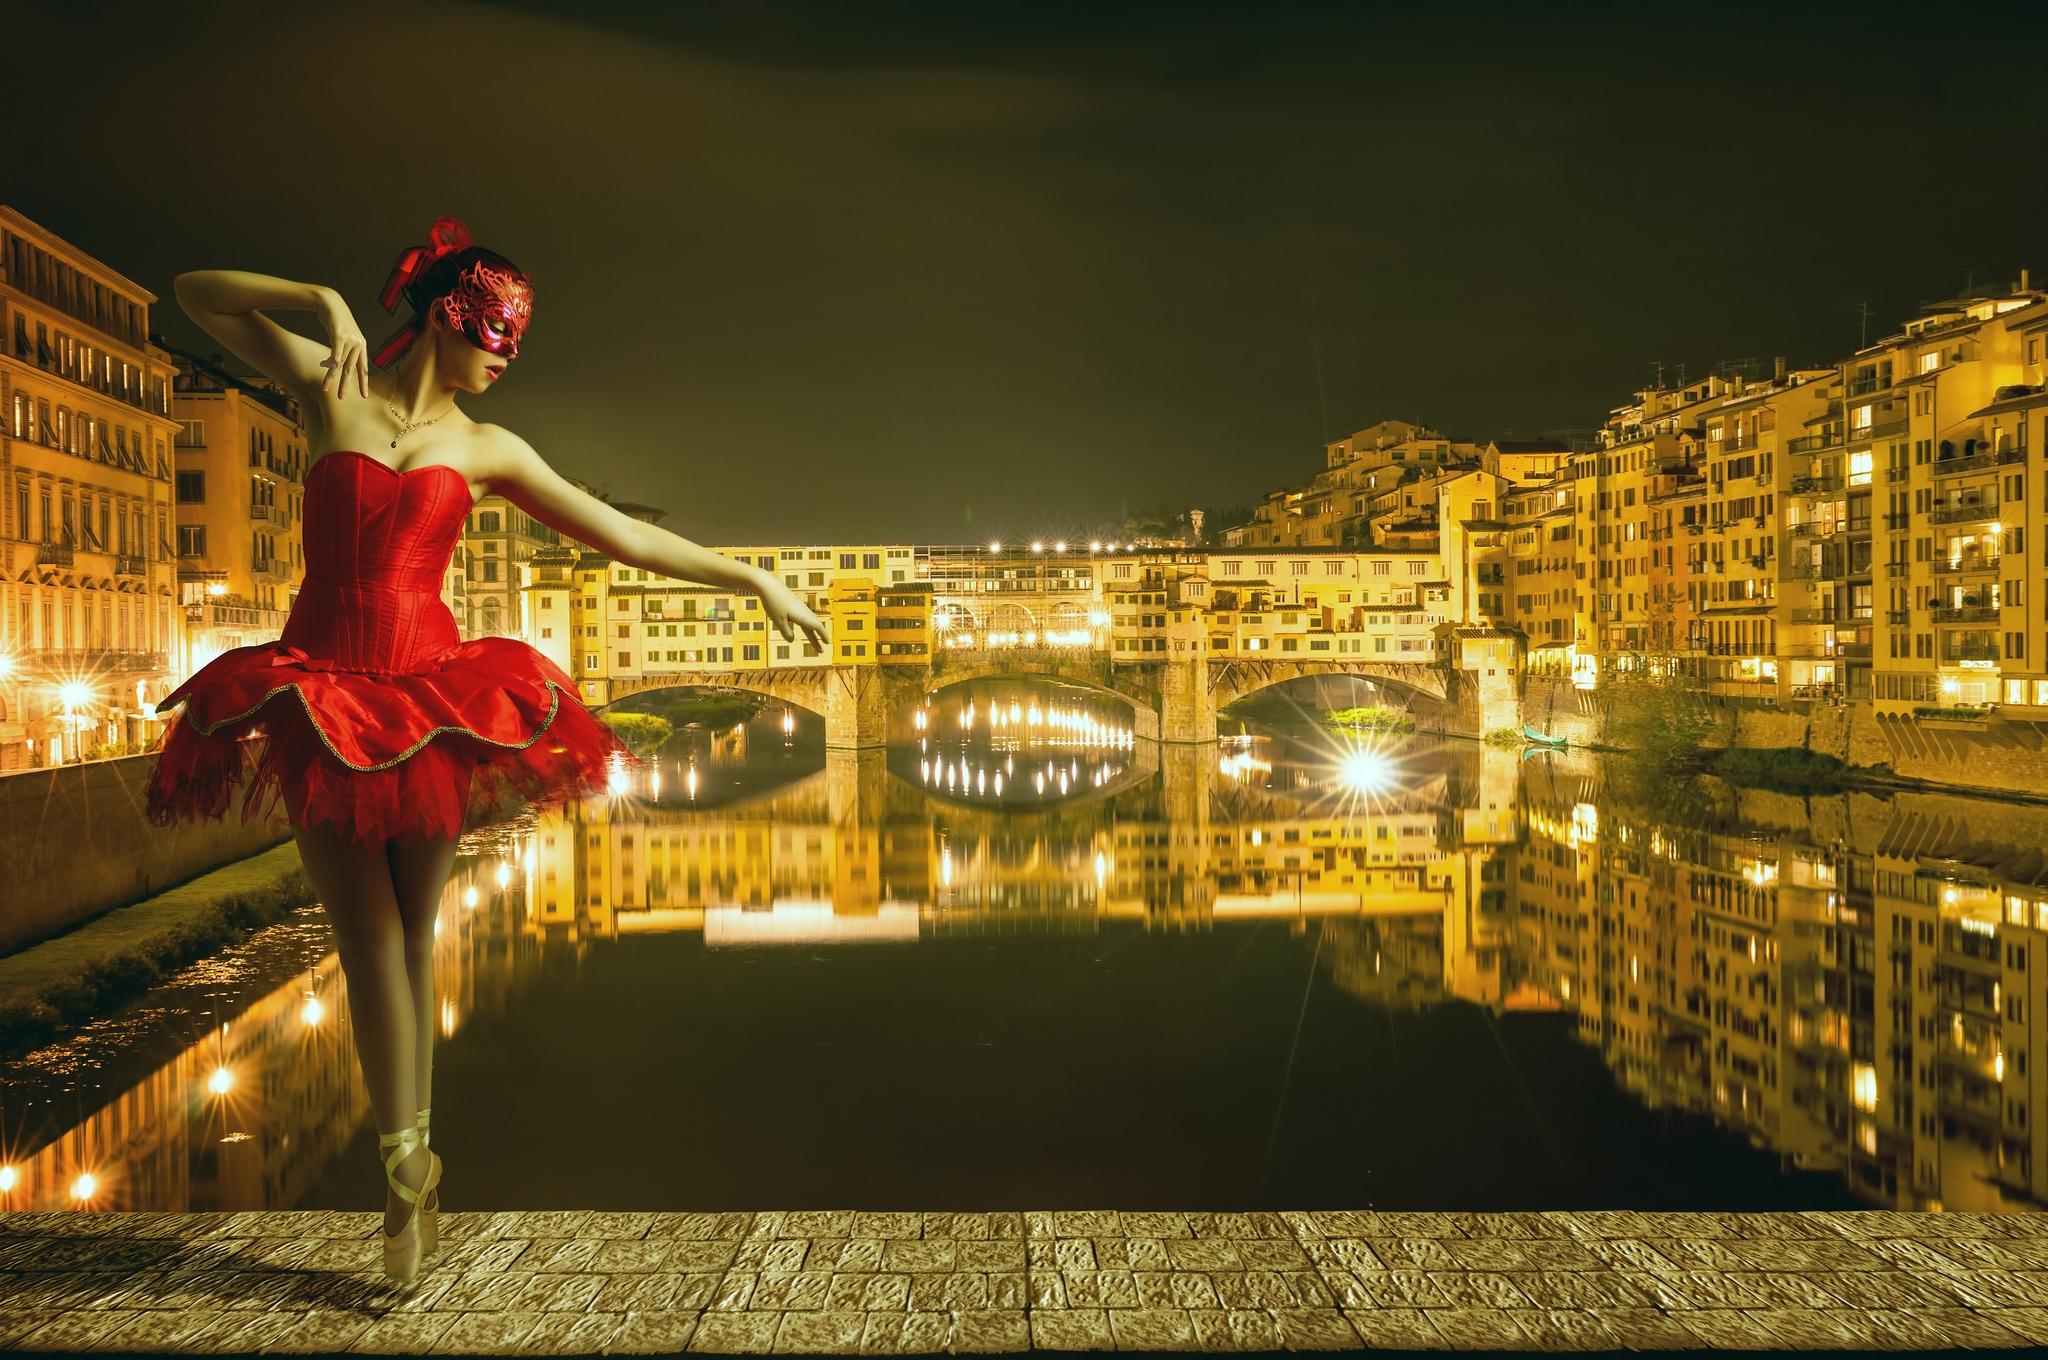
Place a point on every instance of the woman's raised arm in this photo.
(226, 303)
(510, 467)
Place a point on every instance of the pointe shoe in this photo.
(430, 1202)
(402, 1250)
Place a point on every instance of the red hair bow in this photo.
(447, 236)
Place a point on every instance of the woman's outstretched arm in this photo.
(227, 304)
(509, 466)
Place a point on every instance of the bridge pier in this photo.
(1187, 705)
(856, 708)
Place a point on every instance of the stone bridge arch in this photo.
(1134, 685)
(1236, 678)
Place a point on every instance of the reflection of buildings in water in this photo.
(251, 1115)
(1860, 996)
(246, 1118)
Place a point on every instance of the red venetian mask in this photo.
(490, 307)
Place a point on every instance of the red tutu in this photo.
(488, 726)
(370, 713)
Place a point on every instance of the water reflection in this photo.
(1409, 963)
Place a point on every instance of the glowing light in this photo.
(616, 782)
(469, 896)
(7, 1178)
(216, 588)
(1367, 772)
(1060, 546)
(946, 866)
(995, 547)
(653, 788)
(311, 1013)
(1101, 867)
(917, 720)
(504, 874)
(1863, 1087)
(220, 1080)
(1095, 546)
(1038, 547)
(75, 694)
(690, 782)
(6, 667)
(86, 1186)
(789, 722)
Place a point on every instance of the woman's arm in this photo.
(225, 304)
(509, 466)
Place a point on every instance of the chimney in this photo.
(1778, 368)
(2023, 279)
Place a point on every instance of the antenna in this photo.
(1863, 336)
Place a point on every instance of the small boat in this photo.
(1530, 734)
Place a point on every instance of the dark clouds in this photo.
(945, 270)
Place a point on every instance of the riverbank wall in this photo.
(1991, 754)
(75, 842)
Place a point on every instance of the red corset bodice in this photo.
(378, 542)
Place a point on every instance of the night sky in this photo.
(951, 271)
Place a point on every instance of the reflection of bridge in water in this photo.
(1173, 699)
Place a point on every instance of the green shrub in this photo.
(1370, 718)
(1793, 768)
(643, 733)
(1504, 738)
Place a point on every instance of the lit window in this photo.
(1859, 468)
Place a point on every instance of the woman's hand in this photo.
(349, 360)
(789, 614)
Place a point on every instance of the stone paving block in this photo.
(817, 1332)
(991, 1331)
(239, 1333)
(1273, 1254)
(1140, 1253)
(988, 1254)
(1343, 1223)
(637, 1294)
(918, 1255)
(1412, 1253)
(734, 1290)
(701, 1226)
(558, 1293)
(1087, 1223)
(905, 1333)
(1575, 1289)
(492, 1332)
(685, 1254)
(803, 1290)
(659, 1331)
(319, 1330)
(1731, 1329)
(1646, 1329)
(1396, 1329)
(569, 1334)
(1968, 1327)
(1155, 1224)
(1203, 1254)
(886, 1225)
(1071, 1329)
(736, 1332)
(402, 1334)
(817, 1223)
(1151, 1329)
(1313, 1329)
(629, 1256)
(1479, 1329)
(1480, 1289)
(1565, 1329)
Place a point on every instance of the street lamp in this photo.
(74, 695)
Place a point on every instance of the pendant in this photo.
(394, 443)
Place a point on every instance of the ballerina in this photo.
(383, 733)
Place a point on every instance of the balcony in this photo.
(1963, 512)
(130, 564)
(53, 555)
(1863, 434)
(1815, 529)
(1815, 443)
(1968, 565)
(1816, 616)
(1966, 613)
(272, 516)
(1812, 486)
(1863, 387)
(269, 566)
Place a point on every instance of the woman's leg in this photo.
(354, 883)
(419, 876)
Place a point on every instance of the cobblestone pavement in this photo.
(886, 1283)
